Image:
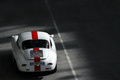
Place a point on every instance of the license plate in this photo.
(37, 63)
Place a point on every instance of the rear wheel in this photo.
(53, 71)
(15, 66)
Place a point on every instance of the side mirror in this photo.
(52, 35)
(13, 36)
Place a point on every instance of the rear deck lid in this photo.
(36, 52)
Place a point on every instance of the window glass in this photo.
(50, 43)
(35, 44)
(18, 42)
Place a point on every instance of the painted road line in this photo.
(61, 40)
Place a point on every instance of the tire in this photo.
(15, 66)
(53, 71)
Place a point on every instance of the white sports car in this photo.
(34, 51)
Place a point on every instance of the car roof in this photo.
(34, 35)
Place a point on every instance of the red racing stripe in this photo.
(36, 59)
(35, 48)
(34, 35)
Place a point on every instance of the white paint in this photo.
(59, 35)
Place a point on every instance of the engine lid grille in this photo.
(36, 53)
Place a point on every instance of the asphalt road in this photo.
(89, 30)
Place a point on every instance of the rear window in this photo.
(35, 44)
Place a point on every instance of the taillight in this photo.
(50, 63)
(24, 65)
